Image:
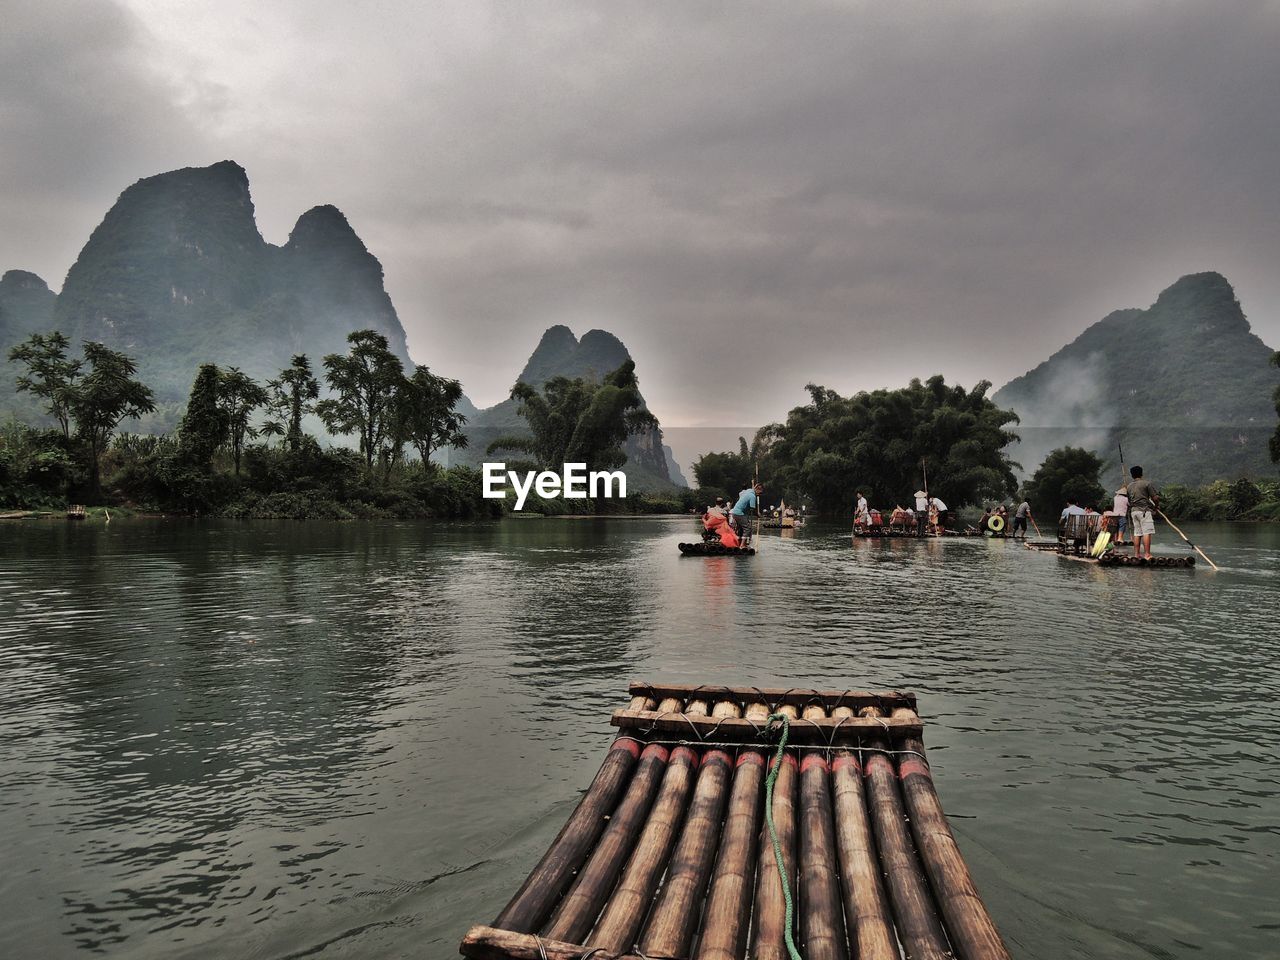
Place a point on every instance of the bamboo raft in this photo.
(714, 548)
(1112, 559)
(668, 855)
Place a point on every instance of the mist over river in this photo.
(276, 740)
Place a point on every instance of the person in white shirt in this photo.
(861, 513)
(941, 507)
(922, 512)
(1072, 509)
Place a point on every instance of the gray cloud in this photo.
(751, 195)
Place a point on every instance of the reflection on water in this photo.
(333, 740)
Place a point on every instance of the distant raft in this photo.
(714, 548)
(669, 855)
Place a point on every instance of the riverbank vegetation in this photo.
(1073, 472)
(242, 448)
(245, 449)
(880, 443)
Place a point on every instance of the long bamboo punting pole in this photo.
(919, 929)
(769, 923)
(724, 925)
(618, 926)
(821, 920)
(866, 905)
(670, 927)
(537, 896)
(578, 910)
(486, 943)
(972, 931)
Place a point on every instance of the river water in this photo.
(262, 740)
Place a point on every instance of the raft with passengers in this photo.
(729, 531)
(746, 821)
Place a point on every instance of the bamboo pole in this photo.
(1184, 537)
(487, 943)
(669, 929)
(866, 905)
(724, 927)
(918, 926)
(814, 711)
(697, 708)
(670, 705)
(626, 909)
(725, 708)
(532, 904)
(578, 910)
(970, 927)
(769, 923)
(821, 914)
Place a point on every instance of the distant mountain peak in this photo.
(560, 353)
(1185, 385)
(177, 273)
(601, 338)
(323, 222)
(15, 280)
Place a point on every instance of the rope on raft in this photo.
(773, 833)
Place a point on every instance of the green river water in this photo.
(281, 740)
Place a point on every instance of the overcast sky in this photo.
(751, 195)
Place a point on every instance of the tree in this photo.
(292, 396)
(238, 396)
(720, 474)
(425, 414)
(204, 425)
(578, 421)
(365, 381)
(1068, 472)
(877, 442)
(103, 397)
(1275, 437)
(50, 374)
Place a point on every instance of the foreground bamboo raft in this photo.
(668, 856)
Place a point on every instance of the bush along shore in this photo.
(1242, 499)
(243, 449)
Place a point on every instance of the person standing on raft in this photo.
(1020, 517)
(748, 500)
(861, 513)
(1144, 498)
(922, 512)
(939, 511)
(1120, 510)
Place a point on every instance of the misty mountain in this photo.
(1185, 385)
(177, 274)
(560, 353)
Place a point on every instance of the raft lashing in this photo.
(668, 855)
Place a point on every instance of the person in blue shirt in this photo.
(747, 505)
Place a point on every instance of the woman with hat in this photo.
(1120, 510)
